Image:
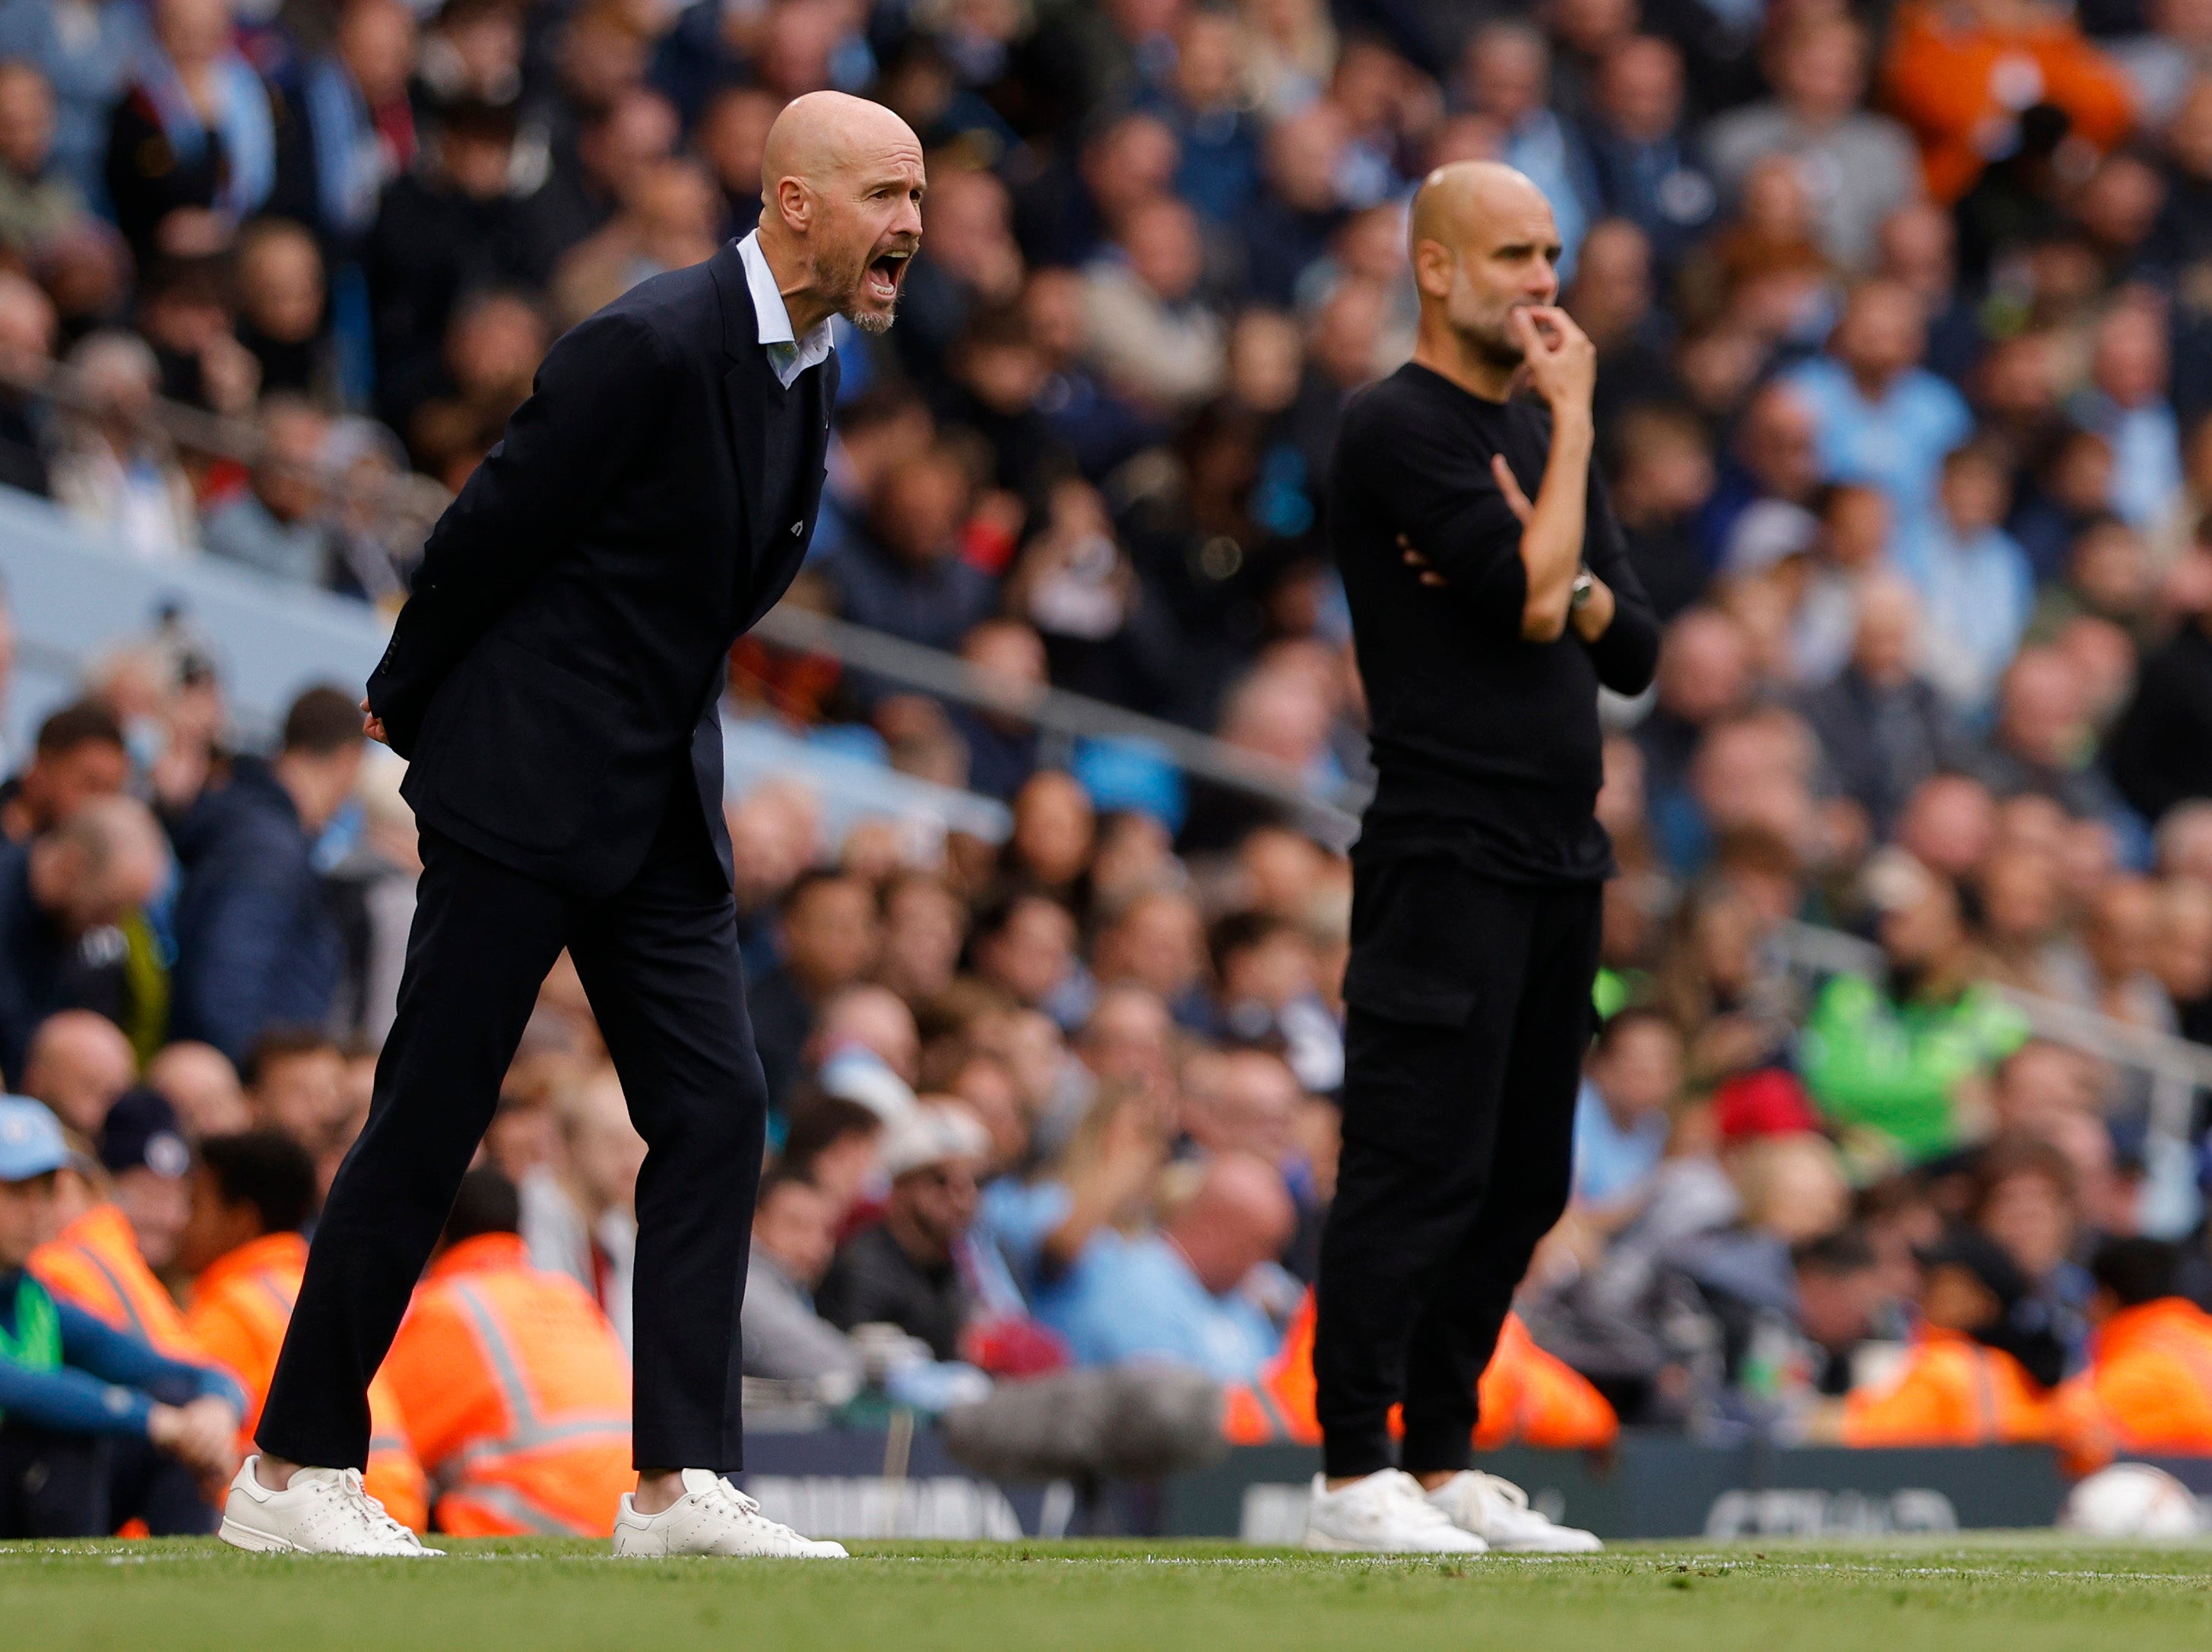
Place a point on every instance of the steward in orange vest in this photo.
(1955, 1389)
(251, 1194)
(2148, 1387)
(115, 1233)
(1526, 1396)
(513, 1384)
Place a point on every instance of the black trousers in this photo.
(1471, 1012)
(660, 962)
(54, 1485)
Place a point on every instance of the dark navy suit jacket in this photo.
(566, 644)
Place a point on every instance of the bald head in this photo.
(1240, 1215)
(841, 182)
(1484, 245)
(1453, 200)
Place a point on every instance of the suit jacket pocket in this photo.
(1414, 941)
(522, 754)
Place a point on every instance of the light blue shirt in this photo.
(1135, 1299)
(1608, 1160)
(1896, 444)
(789, 355)
(2146, 455)
(1976, 596)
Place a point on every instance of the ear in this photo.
(1433, 268)
(795, 205)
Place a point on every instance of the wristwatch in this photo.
(1579, 594)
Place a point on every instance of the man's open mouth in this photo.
(886, 273)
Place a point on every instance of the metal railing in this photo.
(403, 504)
(407, 505)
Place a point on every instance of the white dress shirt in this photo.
(789, 355)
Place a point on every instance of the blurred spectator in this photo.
(445, 231)
(1149, 334)
(1880, 418)
(1178, 1294)
(1896, 1065)
(191, 151)
(1973, 578)
(1859, 166)
(200, 1083)
(1961, 77)
(2125, 403)
(100, 1427)
(827, 940)
(2148, 1389)
(1955, 1387)
(907, 575)
(282, 296)
(78, 756)
(907, 1269)
(62, 896)
(40, 203)
(2040, 745)
(87, 56)
(1505, 75)
(276, 525)
(245, 1247)
(794, 1238)
(112, 467)
(1633, 1076)
(1880, 724)
(79, 1064)
(2159, 750)
(1645, 169)
(255, 944)
(579, 1214)
(514, 1390)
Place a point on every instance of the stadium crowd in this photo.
(1905, 407)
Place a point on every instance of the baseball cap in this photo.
(929, 1135)
(31, 1142)
(142, 1134)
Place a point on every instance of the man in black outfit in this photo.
(1491, 596)
(556, 680)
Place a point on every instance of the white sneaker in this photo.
(712, 1517)
(1498, 1511)
(320, 1511)
(1384, 1513)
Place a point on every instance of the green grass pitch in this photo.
(1953, 1593)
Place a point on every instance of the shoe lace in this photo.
(1502, 1488)
(348, 1498)
(1411, 1505)
(725, 1498)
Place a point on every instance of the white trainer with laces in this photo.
(320, 1511)
(1498, 1511)
(1384, 1513)
(712, 1517)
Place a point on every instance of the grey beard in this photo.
(869, 321)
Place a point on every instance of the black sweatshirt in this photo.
(1487, 746)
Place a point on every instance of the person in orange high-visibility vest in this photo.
(513, 1384)
(2148, 1387)
(252, 1195)
(1529, 1397)
(1526, 1396)
(1954, 1389)
(100, 1257)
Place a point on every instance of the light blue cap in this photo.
(31, 1142)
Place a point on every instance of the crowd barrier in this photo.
(899, 1481)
